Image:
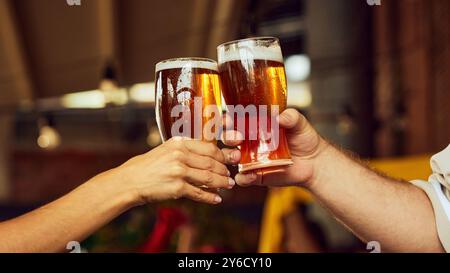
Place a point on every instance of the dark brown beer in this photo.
(247, 80)
(178, 82)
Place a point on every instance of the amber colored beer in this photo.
(252, 73)
(178, 82)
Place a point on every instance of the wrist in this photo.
(113, 185)
(319, 161)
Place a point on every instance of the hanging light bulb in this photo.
(153, 137)
(346, 121)
(48, 138)
(108, 81)
(110, 87)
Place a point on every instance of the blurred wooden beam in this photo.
(416, 74)
(107, 28)
(15, 79)
(224, 25)
(412, 53)
(6, 123)
(15, 86)
(386, 74)
(201, 10)
(440, 46)
(340, 47)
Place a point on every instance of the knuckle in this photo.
(176, 142)
(291, 116)
(220, 156)
(197, 194)
(223, 170)
(178, 170)
(211, 148)
(225, 182)
(296, 117)
(178, 155)
(170, 141)
(210, 164)
(209, 178)
(178, 189)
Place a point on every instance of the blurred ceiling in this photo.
(48, 48)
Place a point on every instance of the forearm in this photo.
(70, 218)
(178, 168)
(375, 208)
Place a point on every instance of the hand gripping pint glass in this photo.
(254, 88)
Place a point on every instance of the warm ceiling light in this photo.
(298, 68)
(143, 92)
(108, 85)
(299, 94)
(87, 99)
(48, 138)
(153, 137)
(116, 96)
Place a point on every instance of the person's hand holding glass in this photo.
(255, 90)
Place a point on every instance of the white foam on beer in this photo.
(180, 63)
(242, 52)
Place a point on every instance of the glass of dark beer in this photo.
(185, 89)
(252, 75)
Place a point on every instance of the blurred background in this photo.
(77, 98)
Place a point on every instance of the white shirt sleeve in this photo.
(438, 190)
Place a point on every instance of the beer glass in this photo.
(185, 88)
(252, 75)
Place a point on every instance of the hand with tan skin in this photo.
(179, 168)
(304, 144)
(375, 207)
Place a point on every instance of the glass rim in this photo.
(186, 59)
(201, 59)
(259, 38)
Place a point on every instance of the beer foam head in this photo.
(249, 49)
(187, 62)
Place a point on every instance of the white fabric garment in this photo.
(440, 164)
(438, 190)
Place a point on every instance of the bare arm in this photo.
(70, 218)
(175, 169)
(375, 208)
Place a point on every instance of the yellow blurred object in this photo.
(282, 201)
(406, 168)
(279, 202)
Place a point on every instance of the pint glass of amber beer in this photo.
(253, 77)
(187, 97)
